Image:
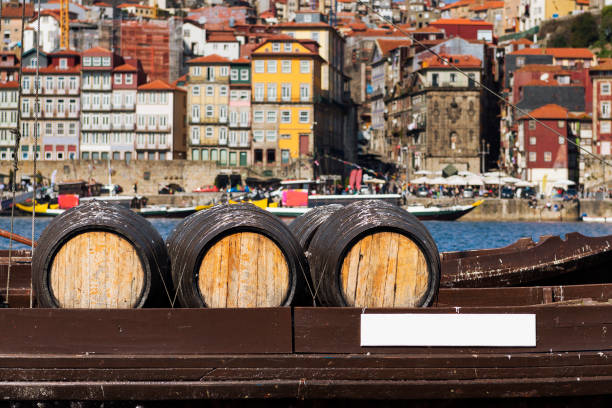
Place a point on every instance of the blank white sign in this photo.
(449, 330)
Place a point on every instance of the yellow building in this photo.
(559, 8)
(207, 109)
(286, 89)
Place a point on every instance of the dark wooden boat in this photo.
(552, 260)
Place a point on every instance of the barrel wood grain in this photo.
(97, 270)
(385, 269)
(244, 269)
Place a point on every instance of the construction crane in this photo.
(64, 25)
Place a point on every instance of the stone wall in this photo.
(150, 175)
(519, 210)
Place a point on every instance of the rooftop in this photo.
(550, 111)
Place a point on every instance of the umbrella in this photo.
(563, 183)
(510, 180)
(524, 183)
(422, 172)
(495, 174)
(474, 181)
(455, 181)
(420, 180)
(467, 173)
(449, 170)
(437, 180)
(492, 180)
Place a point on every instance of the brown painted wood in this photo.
(559, 328)
(384, 269)
(145, 331)
(244, 269)
(97, 270)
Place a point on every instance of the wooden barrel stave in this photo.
(373, 254)
(306, 225)
(97, 249)
(236, 256)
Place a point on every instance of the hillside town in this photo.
(306, 88)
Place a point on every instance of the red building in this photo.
(601, 76)
(465, 28)
(547, 154)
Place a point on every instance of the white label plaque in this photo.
(448, 330)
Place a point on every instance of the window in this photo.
(271, 136)
(234, 95)
(271, 66)
(532, 125)
(271, 117)
(244, 138)
(244, 118)
(285, 156)
(244, 95)
(532, 140)
(243, 158)
(561, 140)
(196, 71)
(87, 61)
(128, 79)
(287, 45)
(195, 154)
(204, 154)
(223, 91)
(532, 156)
(223, 113)
(73, 83)
(605, 109)
(26, 83)
(61, 83)
(259, 92)
(60, 129)
(271, 156)
(223, 136)
(604, 126)
(271, 92)
(276, 47)
(210, 73)
(210, 132)
(60, 106)
(224, 71)
(118, 79)
(605, 88)
(234, 74)
(48, 129)
(547, 156)
(233, 159)
(244, 74)
(286, 92)
(72, 129)
(214, 155)
(195, 135)
(49, 83)
(258, 116)
(453, 77)
(233, 118)
(561, 124)
(117, 100)
(520, 61)
(210, 111)
(304, 116)
(259, 66)
(304, 92)
(106, 61)
(195, 113)
(258, 136)
(48, 155)
(285, 136)
(315, 36)
(195, 91)
(286, 67)
(210, 91)
(305, 67)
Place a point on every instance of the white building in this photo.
(49, 38)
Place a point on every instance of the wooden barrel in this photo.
(100, 256)
(305, 226)
(236, 256)
(374, 254)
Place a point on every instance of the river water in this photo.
(450, 236)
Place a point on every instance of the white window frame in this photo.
(286, 66)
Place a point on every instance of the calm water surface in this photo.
(450, 236)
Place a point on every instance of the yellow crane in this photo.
(64, 25)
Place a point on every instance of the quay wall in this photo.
(519, 210)
(150, 175)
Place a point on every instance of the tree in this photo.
(583, 31)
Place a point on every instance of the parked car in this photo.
(507, 192)
(528, 192)
(422, 192)
(468, 193)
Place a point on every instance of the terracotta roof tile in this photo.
(487, 5)
(541, 82)
(14, 11)
(9, 85)
(464, 61)
(126, 68)
(460, 21)
(158, 85)
(209, 59)
(96, 50)
(389, 45)
(550, 111)
(603, 66)
(580, 53)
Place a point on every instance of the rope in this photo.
(17, 134)
(486, 88)
(35, 175)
